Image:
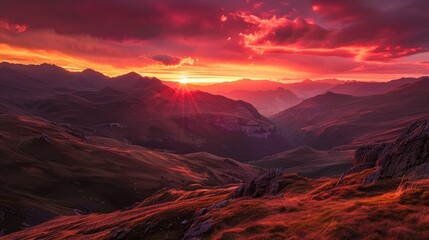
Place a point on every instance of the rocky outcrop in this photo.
(220, 204)
(408, 156)
(202, 226)
(364, 158)
(197, 230)
(266, 184)
(270, 183)
(42, 139)
(368, 155)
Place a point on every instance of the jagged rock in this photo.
(407, 156)
(203, 211)
(355, 169)
(371, 178)
(76, 134)
(42, 139)
(368, 155)
(265, 184)
(408, 151)
(270, 183)
(220, 204)
(422, 172)
(119, 234)
(197, 230)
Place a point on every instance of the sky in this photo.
(222, 40)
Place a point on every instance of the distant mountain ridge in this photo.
(268, 102)
(357, 88)
(304, 89)
(266, 97)
(332, 119)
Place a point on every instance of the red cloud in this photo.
(341, 10)
(125, 33)
(285, 32)
(365, 32)
(166, 59)
(13, 27)
(118, 20)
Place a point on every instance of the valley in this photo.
(129, 157)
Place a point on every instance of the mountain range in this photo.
(141, 110)
(344, 121)
(84, 155)
(271, 97)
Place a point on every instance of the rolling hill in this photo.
(48, 170)
(300, 209)
(278, 205)
(308, 162)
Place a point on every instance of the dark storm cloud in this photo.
(114, 19)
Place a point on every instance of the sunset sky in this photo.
(222, 40)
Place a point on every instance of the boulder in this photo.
(408, 156)
(368, 155)
(261, 185)
(271, 183)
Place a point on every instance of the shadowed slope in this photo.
(308, 162)
(48, 170)
(332, 120)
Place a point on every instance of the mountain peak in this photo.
(92, 73)
(133, 80)
(89, 70)
(51, 67)
(129, 75)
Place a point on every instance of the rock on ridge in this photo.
(270, 183)
(408, 156)
(409, 151)
(266, 184)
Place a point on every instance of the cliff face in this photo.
(368, 155)
(408, 152)
(407, 156)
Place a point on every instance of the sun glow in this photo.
(183, 80)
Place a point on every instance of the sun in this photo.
(183, 80)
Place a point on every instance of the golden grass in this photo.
(380, 211)
(347, 212)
